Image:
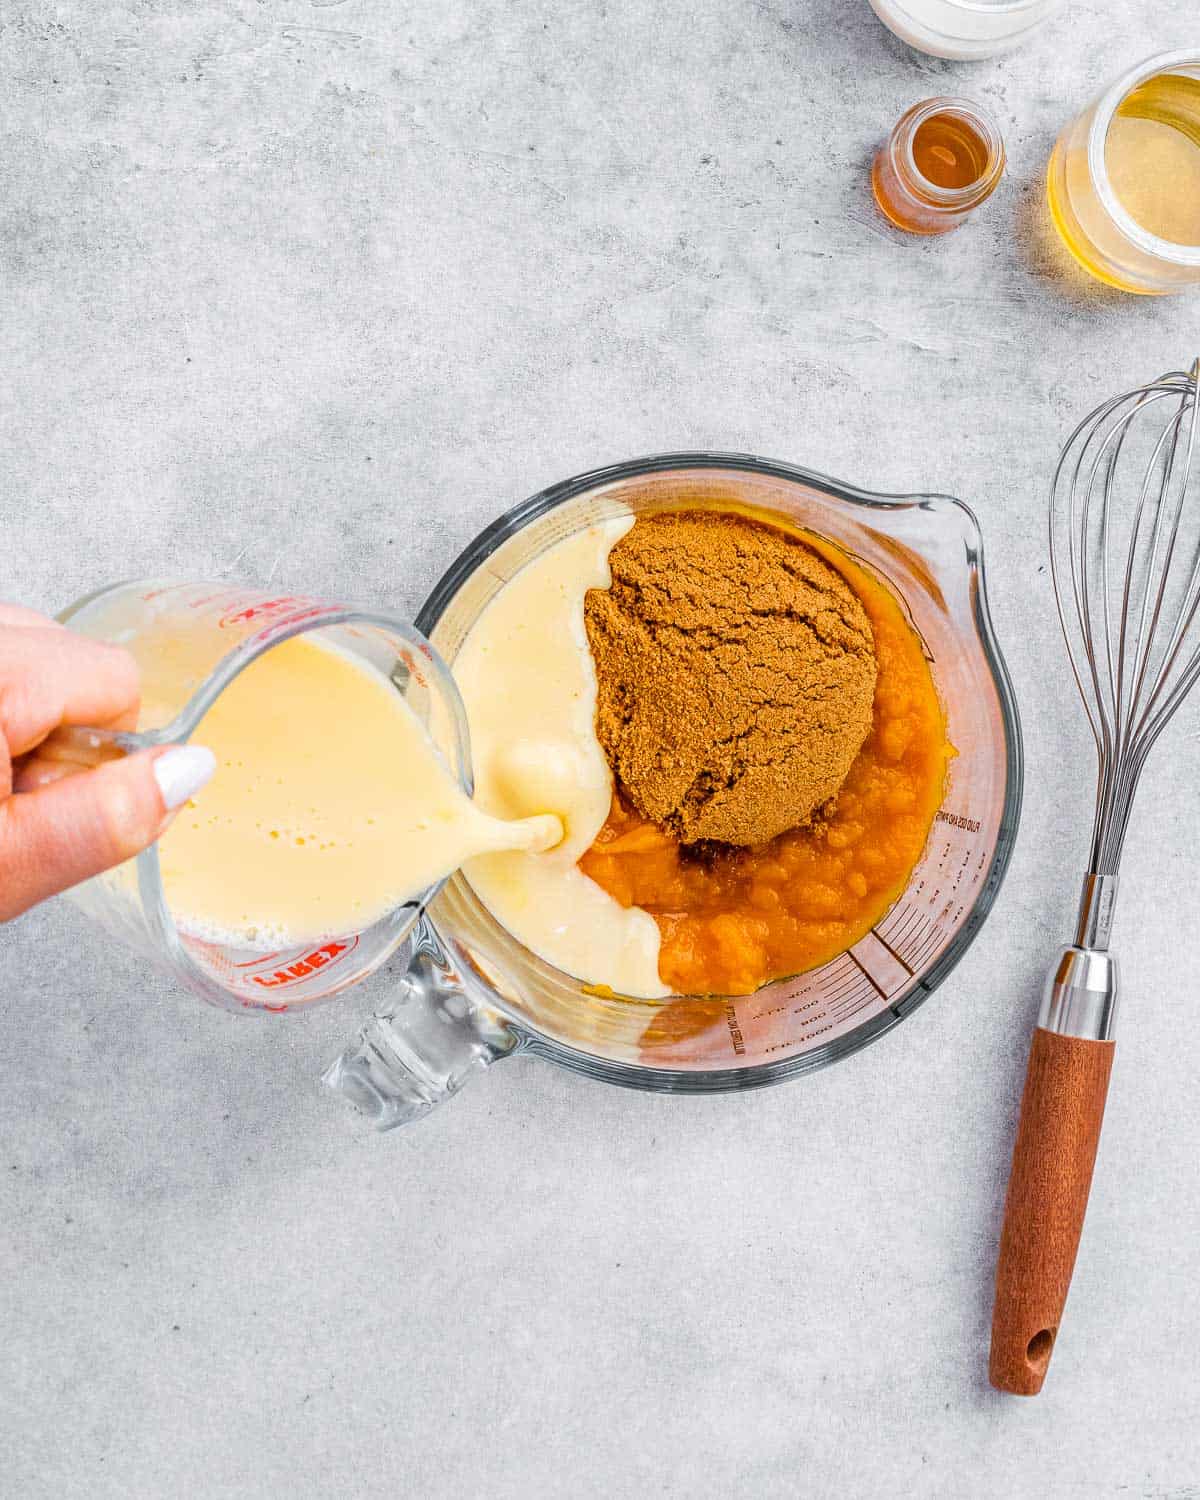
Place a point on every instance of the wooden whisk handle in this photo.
(1062, 1110)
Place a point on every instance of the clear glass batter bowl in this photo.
(473, 994)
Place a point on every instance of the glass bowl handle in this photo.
(429, 1041)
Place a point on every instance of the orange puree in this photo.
(734, 919)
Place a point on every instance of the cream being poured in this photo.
(527, 678)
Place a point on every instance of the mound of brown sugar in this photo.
(736, 674)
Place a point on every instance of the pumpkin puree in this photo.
(733, 919)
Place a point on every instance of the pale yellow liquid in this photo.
(528, 680)
(329, 807)
(1152, 156)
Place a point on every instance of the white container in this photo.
(964, 29)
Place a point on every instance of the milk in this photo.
(330, 807)
(528, 681)
(964, 29)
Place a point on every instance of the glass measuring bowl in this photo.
(473, 994)
(190, 641)
(1106, 240)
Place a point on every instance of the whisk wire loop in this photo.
(1191, 592)
(1125, 563)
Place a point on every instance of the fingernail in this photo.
(181, 772)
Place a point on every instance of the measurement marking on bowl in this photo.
(910, 935)
(907, 967)
(881, 967)
(797, 1010)
(864, 999)
(842, 978)
(930, 946)
(878, 970)
(904, 919)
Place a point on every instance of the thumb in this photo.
(61, 833)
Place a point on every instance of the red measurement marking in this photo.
(302, 968)
(242, 613)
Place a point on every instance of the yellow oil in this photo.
(1152, 155)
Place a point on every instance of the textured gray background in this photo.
(311, 290)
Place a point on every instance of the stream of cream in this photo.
(329, 808)
(526, 674)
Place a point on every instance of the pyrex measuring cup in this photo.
(473, 994)
(190, 641)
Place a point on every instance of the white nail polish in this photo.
(181, 772)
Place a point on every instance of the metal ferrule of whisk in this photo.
(1080, 998)
(1125, 558)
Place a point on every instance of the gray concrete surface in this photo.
(311, 290)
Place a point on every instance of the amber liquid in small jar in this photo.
(942, 160)
(949, 152)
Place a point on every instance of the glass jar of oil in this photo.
(1124, 179)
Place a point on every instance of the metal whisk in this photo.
(1128, 635)
(1125, 559)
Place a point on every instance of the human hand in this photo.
(59, 824)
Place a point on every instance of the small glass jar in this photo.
(1095, 226)
(964, 29)
(936, 133)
